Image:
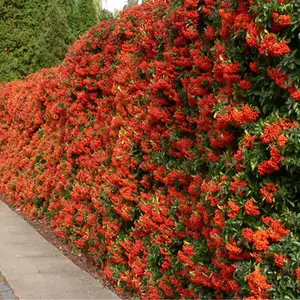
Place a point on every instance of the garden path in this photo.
(35, 269)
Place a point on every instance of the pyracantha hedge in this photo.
(167, 148)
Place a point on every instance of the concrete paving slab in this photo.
(6, 293)
(27, 250)
(35, 269)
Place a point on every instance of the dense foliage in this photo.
(166, 148)
(35, 34)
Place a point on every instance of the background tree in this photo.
(55, 36)
(35, 34)
(84, 14)
(19, 21)
(131, 3)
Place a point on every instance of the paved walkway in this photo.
(6, 293)
(35, 269)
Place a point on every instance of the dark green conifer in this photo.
(55, 36)
(35, 34)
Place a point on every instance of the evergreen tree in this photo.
(131, 3)
(54, 38)
(19, 20)
(105, 14)
(84, 15)
(35, 34)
